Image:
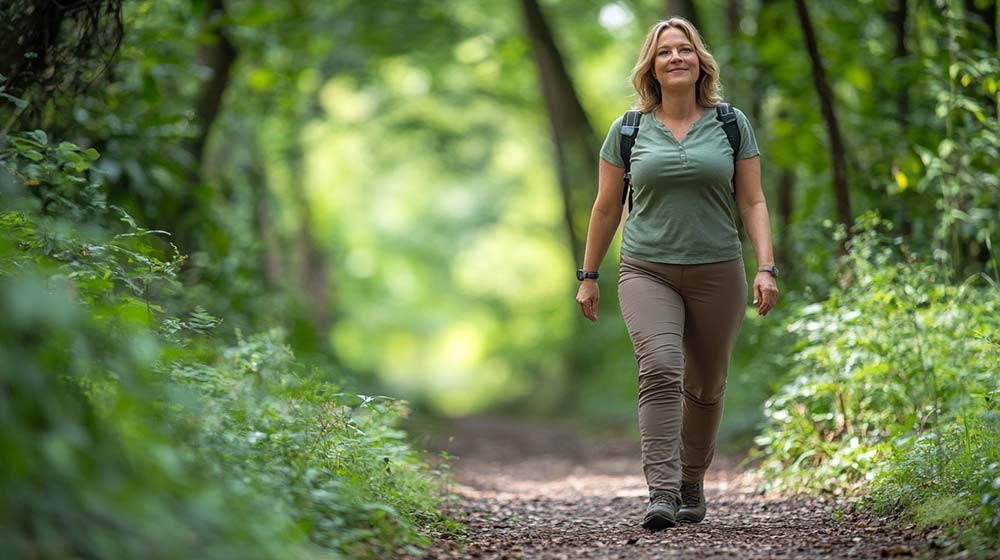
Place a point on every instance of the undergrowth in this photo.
(892, 390)
(136, 427)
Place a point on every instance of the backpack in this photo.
(630, 130)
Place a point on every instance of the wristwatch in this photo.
(582, 275)
(772, 269)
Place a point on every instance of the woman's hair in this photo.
(707, 88)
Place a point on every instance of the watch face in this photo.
(579, 275)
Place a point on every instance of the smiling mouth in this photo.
(677, 70)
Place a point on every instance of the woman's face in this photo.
(675, 63)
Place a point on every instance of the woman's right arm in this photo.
(604, 220)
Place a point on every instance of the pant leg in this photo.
(715, 296)
(654, 315)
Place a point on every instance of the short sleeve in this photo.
(748, 141)
(611, 150)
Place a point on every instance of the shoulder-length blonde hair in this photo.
(708, 87)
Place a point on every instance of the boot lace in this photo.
(691, 493)
(661, 500)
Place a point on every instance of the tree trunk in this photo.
(685, 9)
(734, 13)
(272, 257)
(218, 54)
(785, 209)
(576, 161)
(988, 15)
(897, 19)
(47, 47)
(837, 149)
(37, 24)
(313, 270)
(576, 168)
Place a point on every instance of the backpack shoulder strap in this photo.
(629, 131)
(725, 114)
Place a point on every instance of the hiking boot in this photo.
(692, 508)
(661, 512)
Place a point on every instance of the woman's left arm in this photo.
(753, 212)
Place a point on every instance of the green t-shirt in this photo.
(684, 212)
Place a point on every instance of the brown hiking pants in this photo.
(683, 320)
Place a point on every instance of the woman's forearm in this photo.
(603, 225)
(758, 225)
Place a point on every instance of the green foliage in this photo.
(96, 475)
(401, 174)
(948, 479)
(57, 174)
(132, 430)
(896, 352)
(893, 383)
(892, 380)
(68, 226)
(338, 461)
(958, 169)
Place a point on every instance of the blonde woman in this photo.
(682, 283)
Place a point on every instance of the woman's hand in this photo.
(587, 298)
(765, 292)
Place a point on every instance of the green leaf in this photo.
(17, 101)
(39, 136)
(945, 148)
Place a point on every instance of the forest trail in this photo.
(530, 490)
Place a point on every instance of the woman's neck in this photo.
(679, 105)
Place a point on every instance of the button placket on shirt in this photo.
(680, 147)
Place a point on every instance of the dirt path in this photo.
(529, 490)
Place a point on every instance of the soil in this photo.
(534, 490)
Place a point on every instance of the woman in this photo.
(682, 283)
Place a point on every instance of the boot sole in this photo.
(685, 517)
(658, 522)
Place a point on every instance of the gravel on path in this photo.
(533, 490)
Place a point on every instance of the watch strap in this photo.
(770, 268)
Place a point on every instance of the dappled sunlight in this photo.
(457, 327)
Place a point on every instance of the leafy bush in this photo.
(132, 430)
(338, 461)
(948, 479)
(893, 381)
(88, 480)
(894, 354)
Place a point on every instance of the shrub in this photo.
(893, 382)
(947, 479)
(891, 356)
(132, 430)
